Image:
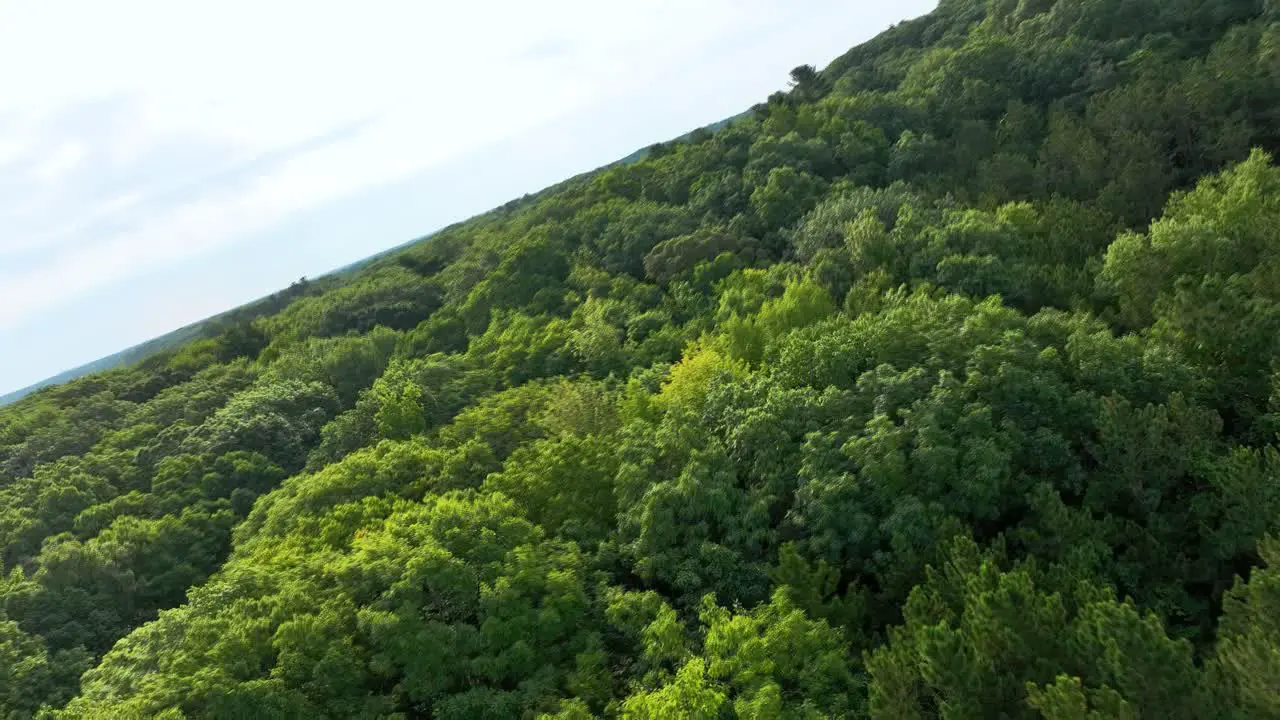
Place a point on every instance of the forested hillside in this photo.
(943, 385)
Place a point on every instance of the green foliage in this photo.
(1248, 654)
(944, 384)
(982, 642)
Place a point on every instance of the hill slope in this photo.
(944, 383)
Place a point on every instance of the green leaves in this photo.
(770, 663)
(980, 641)
(1248, 656)
(1203, 279)
(30, 676)
(890, 398)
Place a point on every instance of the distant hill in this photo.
(203, 328)
(643, 153)
(132, 355)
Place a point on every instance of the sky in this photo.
(162, 162)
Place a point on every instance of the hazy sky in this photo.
(164, 161)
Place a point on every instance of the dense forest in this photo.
(944, 384)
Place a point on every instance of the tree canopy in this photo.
(944, 384)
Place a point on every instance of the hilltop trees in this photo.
(943, 384)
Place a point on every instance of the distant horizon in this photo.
(101, 273)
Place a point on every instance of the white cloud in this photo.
(62, 161)
(129, 141)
